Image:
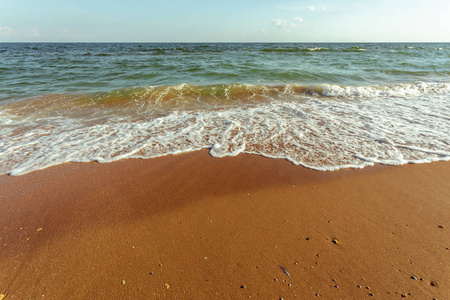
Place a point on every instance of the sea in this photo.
(322, 106)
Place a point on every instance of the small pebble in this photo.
(371, 294)
(123, 281)
(242, 286)
(359, 286)
(336, 286)
(334, 280)
(434, 283)
(166, 285)
(414, 277)
(335, 241)
(367, 287)
(440, 226)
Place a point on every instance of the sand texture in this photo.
(195, 227)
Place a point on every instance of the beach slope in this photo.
(195, 227)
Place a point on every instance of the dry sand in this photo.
(196, 227)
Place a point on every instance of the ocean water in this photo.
(322, 106)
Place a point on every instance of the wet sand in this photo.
(195, 227)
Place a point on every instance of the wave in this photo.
(161, 99)
(310, 49)
(355, 49)
(315, 49)
(316, 133)
(199, 49)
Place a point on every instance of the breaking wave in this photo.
(324, 127)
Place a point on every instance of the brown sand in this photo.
(196, 227)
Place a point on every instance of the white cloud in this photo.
(315, 8)
(286, 24)
(6, 31)
(34, 33)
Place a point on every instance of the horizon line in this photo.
(224, 42)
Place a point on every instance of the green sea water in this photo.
(37, 69)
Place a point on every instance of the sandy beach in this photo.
(195, 227)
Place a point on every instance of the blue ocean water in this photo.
(323, 106)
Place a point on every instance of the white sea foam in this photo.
(395, 90)
(318, 133)
(317, 49)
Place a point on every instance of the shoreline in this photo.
(193, 226)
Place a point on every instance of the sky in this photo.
(224, 21)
